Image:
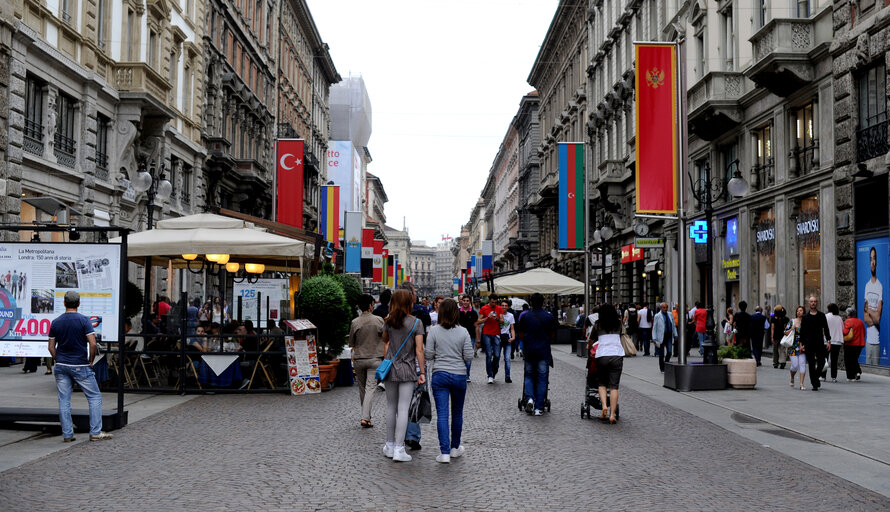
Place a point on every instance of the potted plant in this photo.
(741, 368)
(323, 302)
(352, 289)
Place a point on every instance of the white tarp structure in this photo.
(538, 280)
(207, 233)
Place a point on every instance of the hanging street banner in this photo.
(353, 238)
(572, 200)
(33, 281)
(289, 203)
(656, 114)
(487, 257)
(367, 253)
(328, 223)
(377, 274)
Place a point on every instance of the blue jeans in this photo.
(470, 363)
(701, 342)
(645, 338)
(507, 348)
(454, 387)
(66, 376)
(536, 373)
(491, 343)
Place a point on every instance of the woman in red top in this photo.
(853, 348)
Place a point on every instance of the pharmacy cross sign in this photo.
(698, 232)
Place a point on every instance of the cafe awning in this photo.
(538, 280)
(206, 233)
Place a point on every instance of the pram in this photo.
(524, 402)
(591, 388)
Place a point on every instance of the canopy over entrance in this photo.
(206, 233)
(539, 280)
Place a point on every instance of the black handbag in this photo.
(420, 410)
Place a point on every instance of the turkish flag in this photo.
(290, 182)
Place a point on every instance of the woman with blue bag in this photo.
(403, 346)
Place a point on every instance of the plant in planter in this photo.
(323, 302)
(741, 368)
(352, 289)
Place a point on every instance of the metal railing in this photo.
(871, 142)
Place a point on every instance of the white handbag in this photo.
(788, 339)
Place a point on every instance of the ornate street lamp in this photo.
(155, 186)
(705, 191)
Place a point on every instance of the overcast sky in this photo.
(445, 79)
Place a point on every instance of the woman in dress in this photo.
(796, 350)
(403, 345)
(609, 358)
(448, 347)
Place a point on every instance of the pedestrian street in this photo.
(277, 452)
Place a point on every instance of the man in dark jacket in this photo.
(741, 322)
(382, 310)
(815, 336)
(537, 329)
(757, 326)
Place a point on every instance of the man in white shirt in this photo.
(645, 329)
(874, 306)
(508, 336)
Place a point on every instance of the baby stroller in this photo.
(591, 388)
(525, 403)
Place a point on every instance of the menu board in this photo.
(302, 364)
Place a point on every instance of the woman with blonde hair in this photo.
(796, 350)
(403, 344)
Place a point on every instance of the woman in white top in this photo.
(836, 328)
(609, 358)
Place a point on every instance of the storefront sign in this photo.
(649, 243)
(765, 236)
(629, 253)
(275, 290)
(302, 364)
(808, 228)
(731, 267)
(698, 232)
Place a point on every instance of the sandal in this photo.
(367, 424)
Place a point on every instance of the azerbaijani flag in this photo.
(657, 121)
(572, 200)
(329, 214)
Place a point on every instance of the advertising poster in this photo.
(277, 290)
(33, 282)
(302, 364)
(872, 273)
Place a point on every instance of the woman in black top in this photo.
(777, 328)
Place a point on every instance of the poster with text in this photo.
(277, 290)
(302, 364)
(34, 278)
(872, 272)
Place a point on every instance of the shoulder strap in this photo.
(406, 338)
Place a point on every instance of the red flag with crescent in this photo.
(289, 209)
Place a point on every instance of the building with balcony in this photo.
(445, 275)
(506, 200)
(422, 266)
(525, 246)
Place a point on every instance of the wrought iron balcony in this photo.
(33, 137)
(64, 150)
(782, 50)
(764, 175)
(871, 142)
(714, 103)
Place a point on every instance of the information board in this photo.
(302, 364)
(34, 278)
(277, 290)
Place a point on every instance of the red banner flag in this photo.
(289, 206)
(657, 155)
(377, 276)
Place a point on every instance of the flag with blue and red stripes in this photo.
(572, 195)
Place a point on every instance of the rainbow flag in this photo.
(329, 214)
(572, 192)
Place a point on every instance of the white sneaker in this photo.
(529, 406)
(457, 452)
(399, 455)
(491, 380)
(388, 450)
(444, 458)
(539, 412)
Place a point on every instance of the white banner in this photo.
(277, 290)
(34, 278)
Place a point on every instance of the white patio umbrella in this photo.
(538, 280)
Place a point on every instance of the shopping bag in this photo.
(420, 410)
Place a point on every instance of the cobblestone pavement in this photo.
(276, 452)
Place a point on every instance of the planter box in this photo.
(741, 373)
(694, 377)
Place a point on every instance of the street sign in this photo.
(648, 243)
(698, 232)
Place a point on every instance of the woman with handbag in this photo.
(609, 358)
(403, 347)
(728, 332)
(796, 351)
(448, 347)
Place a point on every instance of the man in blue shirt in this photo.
(72, 344)
(537, 330)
